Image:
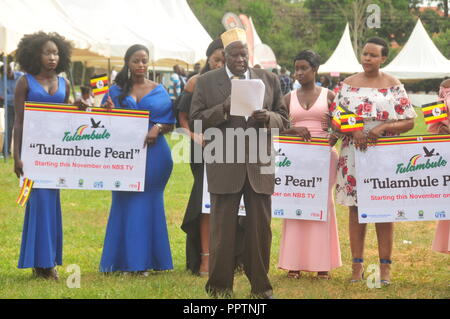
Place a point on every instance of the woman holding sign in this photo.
(441, 242)
(42, 56)
(379, 106)
(136, 237)
(310, 245)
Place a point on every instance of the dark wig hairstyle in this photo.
(380, 41)
(213, 46)
(29, 50)
(122, 79)
(309, 55)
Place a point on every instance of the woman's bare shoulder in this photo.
(353, 79)
(391, 80)
(190, 85)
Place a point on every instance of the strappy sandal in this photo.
(323, 275)
(294, 274)
(357, 270)
(385, 272)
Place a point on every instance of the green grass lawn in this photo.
(418, 272)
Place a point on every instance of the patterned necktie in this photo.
(238, 77)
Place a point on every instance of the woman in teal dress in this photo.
(42, 56)
(136, 237)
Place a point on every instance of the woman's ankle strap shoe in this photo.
(385, 261)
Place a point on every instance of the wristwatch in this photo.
(159, 126)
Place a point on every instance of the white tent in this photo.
(167, 27)
(419, 58)
(20, 17)
(106, 28)
(343, 59)
(263, 54)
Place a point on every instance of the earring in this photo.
(129, 73)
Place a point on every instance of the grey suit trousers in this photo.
(257, 240)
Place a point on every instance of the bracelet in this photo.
(160, 127)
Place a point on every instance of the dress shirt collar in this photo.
(246, 74)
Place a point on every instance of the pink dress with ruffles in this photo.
(441, 241)
(312, 245)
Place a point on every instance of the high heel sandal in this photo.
(204, 273)
(323, 275)
(357, 270)
(294, 274)
(46, 273)
(385, 272)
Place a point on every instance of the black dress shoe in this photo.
(219, 293)
(264, 295)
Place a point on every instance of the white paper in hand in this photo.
(247, 96)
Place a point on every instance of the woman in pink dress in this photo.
(441, 242)
(319, 249)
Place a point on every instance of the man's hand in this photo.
(261, 116)
(227, 105)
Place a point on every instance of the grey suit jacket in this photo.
(212, 91)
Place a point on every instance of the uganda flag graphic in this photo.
(347, 121)
(25, 192)
(434, 112)
(99, 84)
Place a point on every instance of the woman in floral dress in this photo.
(381, 101)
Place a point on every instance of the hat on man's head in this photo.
(233, 35)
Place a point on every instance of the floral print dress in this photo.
(375, 106)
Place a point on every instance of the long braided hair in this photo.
(123, 80)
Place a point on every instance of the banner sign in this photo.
(404, 178)
(301, 178)
(301, 182)
(97, 149)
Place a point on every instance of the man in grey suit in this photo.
(248, 175)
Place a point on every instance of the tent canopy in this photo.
(20, 17)
(104, 29)
(263, 54)
(167, 27)
(343, 59)
(419, 58)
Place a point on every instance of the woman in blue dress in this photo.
(136, 236)
(42, 56)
